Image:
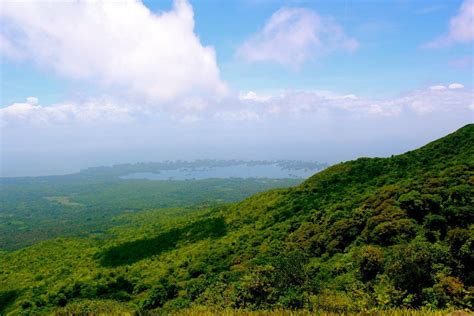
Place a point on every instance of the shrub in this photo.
(257, 287)
(159, 295)
(392, 232)
(293, 298)
(410, 267)
(370, 262)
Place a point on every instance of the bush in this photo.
(256, 288)
(293, 298)
(386, 295)
(329, 301)
(159, 295)
(370, 263)
(289, 269)
(410, 267)
(393, 232)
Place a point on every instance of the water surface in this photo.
(270, 171)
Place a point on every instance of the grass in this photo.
(113, 309)
(92, 307)
(110, 307)
(63, 200)
(393, 312)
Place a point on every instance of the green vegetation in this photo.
(35, 209)
(365, 235)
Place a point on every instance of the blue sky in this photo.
(391, 34)
(390, 59)
(206, 67)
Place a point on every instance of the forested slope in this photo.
(370, 233)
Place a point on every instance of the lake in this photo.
(270, 171)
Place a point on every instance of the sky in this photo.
(87, 83)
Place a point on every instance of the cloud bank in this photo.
(293, 36)
(438, 99)
(123, 45)
(249, 106)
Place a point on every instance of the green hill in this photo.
(371, 233)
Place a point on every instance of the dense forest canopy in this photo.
(370, 233)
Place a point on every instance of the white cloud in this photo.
(32, 100)
(461, 27)
(438, 88)
(91, 111)
(294, 35)
(456, 86)
(122, 45)
(436, 99)
(252, 95)
(425, 101)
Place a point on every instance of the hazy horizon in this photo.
(46, 165)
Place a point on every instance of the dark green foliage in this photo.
(133, 251)
(361, 235)
(118, 288)
(159, 295)
(7, 298)
(393, 232)
(461, 247)
(410, 267)
(370, 263)
(290, 269)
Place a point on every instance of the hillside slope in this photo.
(369, 233)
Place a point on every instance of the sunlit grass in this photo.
(89, 308)
(393, 312)
(110, 307)
(92, 307)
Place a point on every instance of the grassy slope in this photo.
(370, 233)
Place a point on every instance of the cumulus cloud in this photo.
(456, 86)
(451, 86)
(122, 45)
(32, 100)
(461, 27)
(294, 35)
(252, 95)
(438, 87)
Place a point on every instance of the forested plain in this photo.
(86, 203)
(374, 234)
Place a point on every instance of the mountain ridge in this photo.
(370, 233)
